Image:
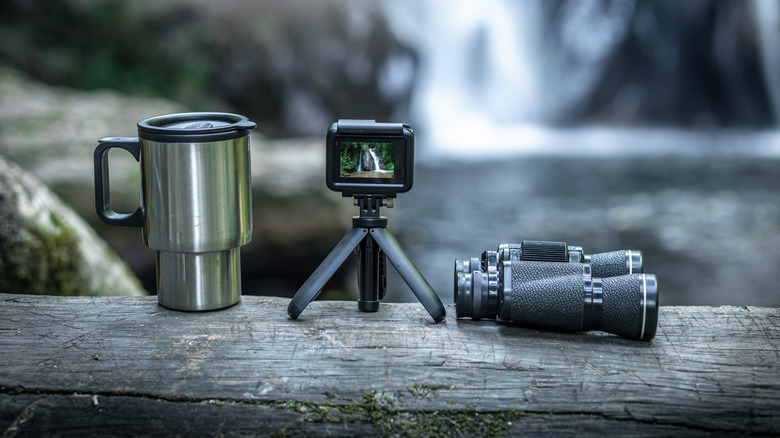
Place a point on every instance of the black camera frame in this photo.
(400, 135)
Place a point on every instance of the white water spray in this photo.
(486, 84)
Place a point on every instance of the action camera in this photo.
(366, 158)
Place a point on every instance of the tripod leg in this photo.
(417, 283)
(382, 270)
(324, 271)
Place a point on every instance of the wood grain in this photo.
(709, 370)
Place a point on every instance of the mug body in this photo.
(196, 196)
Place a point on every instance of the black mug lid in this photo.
(194, 127)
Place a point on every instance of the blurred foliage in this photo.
(386, 152)
(292, 66)
(350, 153)
(109, 44)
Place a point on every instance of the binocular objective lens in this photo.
(476, 289)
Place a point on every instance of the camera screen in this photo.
(367, 160)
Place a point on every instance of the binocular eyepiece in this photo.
(552, 285)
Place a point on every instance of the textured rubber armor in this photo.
(547, 294)
(609, 264)
(622, 307)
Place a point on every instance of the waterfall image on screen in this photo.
(367, 159)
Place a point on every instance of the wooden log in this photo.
(124, 365)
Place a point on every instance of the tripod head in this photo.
(369, 211)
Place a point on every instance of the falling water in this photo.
(490, 81)
(477, 66)
(767, 13)
(375, 160)
(370, 166)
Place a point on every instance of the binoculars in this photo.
(552, 285)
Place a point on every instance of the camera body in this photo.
(366, 158)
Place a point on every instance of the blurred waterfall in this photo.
(478, 65)
(507, 75)
(767, 13)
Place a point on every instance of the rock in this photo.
(45, 248)
(704, 64)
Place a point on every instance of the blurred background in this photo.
(605, 124)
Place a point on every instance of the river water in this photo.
(704, 208)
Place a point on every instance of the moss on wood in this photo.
(380, 410)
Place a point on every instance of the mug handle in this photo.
(102, 204)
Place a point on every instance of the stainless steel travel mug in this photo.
(196, 208)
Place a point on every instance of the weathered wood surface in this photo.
(124, 365)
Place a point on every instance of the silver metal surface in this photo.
(198, 214)
(196, 195)
(634, 261)
(196, 205)
(205, 281)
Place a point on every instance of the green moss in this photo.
(281, 433)
(422, 390)
(38, 256)
(381, 412)
(454, 422)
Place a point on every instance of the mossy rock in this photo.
(45, 248)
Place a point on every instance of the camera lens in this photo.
(463, 285)
(463, 288)
(476, 287)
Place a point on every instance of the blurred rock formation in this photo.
(45, 248)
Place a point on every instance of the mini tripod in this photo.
(373, 241)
